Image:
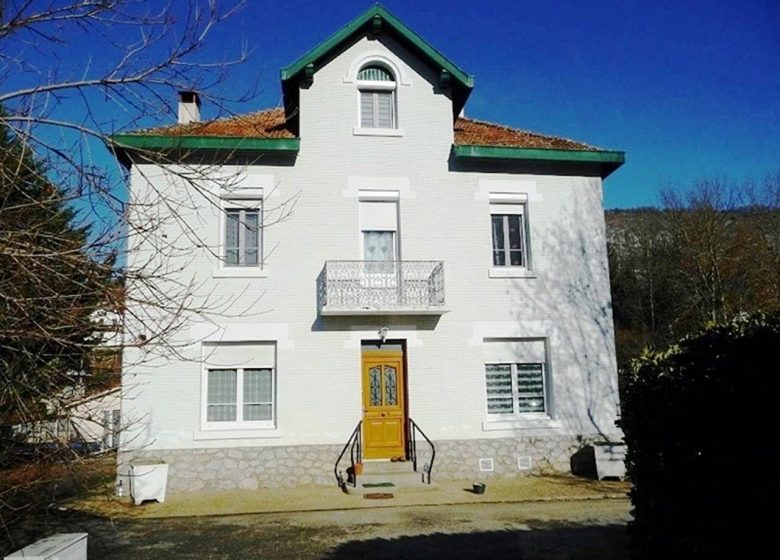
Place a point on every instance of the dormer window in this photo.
(376, 87)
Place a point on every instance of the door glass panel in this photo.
(375, 386)
(391, 386)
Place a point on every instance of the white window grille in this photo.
(240, 395)
(516, 388)
(243, 245)
(509, 232)
(239, 385)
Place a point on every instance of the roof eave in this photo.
(607, 160)
(159, 142)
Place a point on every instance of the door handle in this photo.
(384, 414)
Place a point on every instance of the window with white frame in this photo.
(243, 239)
(377, 103)
(379, 234)
(516, 378)
(509, 231)
(239, 385)
(240, 395)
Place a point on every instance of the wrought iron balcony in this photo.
(379, 287)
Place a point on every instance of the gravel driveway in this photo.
(580, 529)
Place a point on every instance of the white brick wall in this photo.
(444, 215)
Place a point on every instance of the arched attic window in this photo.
(376, 88)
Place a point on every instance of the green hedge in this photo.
(700, 421)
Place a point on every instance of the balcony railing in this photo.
(378, 287)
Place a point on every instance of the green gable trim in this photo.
(608, 160)
(222, 143)
(368, 18)
(544, 154)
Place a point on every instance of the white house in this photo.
(435, 276)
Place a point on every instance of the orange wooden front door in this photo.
(383, 405)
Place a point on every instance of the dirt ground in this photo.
(592, 529)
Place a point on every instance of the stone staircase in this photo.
(387, 478)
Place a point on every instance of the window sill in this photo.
(511, 272)
(240, 272)
(519, 423)
(357, 131)
(211, 433)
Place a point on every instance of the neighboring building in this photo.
(433, 267)
(85, 414)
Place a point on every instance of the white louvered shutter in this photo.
(384, 109)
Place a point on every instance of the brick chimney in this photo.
(189, 107)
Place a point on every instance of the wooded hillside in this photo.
(703, 258)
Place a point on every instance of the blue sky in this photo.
(688, 89)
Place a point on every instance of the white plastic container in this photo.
(610, 460)
(63, 546)
(148, 481)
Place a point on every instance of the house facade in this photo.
(395, 278)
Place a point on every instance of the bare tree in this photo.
(725, 262)
(710, 252)
(68, 227)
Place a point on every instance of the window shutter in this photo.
(384, 109)
(367, 109)
(378, 216)
(239, 354)
(517, 350)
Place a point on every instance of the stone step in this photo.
(361, 490)
(386, 487)
(400, 479)
(389, 467)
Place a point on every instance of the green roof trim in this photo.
(609, 160)
(221, 143)
(367, 19)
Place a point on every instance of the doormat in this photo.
(378, 496)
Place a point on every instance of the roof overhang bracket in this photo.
(376, 26)
(444, 78)
(307, 79)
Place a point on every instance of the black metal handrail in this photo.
(413, 430)
(354, 444)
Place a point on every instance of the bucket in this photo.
(479, 488)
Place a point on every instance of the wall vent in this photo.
(524, 462)
(486, 464)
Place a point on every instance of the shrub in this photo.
(698, 421)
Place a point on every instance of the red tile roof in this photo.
(471, 132)
(268, 123)
(271, 123)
